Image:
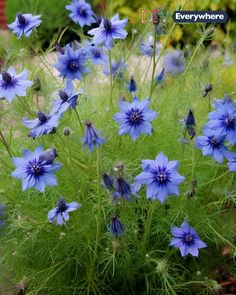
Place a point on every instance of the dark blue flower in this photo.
(42, 125)
(117, 69)
(186, 239)
(189, 119)
(122, 189)
(232, 162)
(147, 46)
(108, 31)
(131, 86)
(35, 172)
(91, 138)
(60, 213)
(212, 144)
(115, 227)
(108, 181)
(161, 178)
(24, 24)
(160, 76)
(81, 13)
(173, 62)
(95, 53)
(207, 89)
(72, 64)
(223, 119)
(48, 156)
(67, 98)
(12, 84)
(135, 117)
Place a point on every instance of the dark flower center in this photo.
(21, 19)
(42, 117)
(161, 176)
(63, 95)
(34, 168)
(83, 11)
(74, 65)
(6, 77)
(107, 24)
(135, 117)
(188, 239)
(61, 206)
(230, 122)
(132, 86)
(177, 61)
(213, 142)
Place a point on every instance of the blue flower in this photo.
(160, 76)
(122, 189)
(161, 178)
(81, 13)
(60, 213)
(24, 24)
(108, 31)
(134, 118)
(91, 138)
(12, 84)
(42, 125)
(117, 69)
(35, 172)
(108, 181)
(189, 119)
(72, 64)
(115, 227)
(95, 53)
(186, 239)
(212, 144)
(131, 86)
(232, 162)
(67, 98)
(223, 119)
(226, 100)
(147, 46)
(173, 62)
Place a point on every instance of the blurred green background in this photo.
(55, 16)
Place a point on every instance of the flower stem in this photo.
(24, 106)
(148, 224)
(80, 123)
(111, 79)
(3, 140)
(153, 59)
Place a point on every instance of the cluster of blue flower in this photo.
(160, 176)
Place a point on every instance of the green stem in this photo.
(24, 106)
(154, 63)
(148, 224)
(111, 78)
(5, 144)
(80, 123)
(99, 212)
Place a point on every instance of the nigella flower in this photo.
(212, 144)
(226, 100)
(207, 89)
(161, 177)
(189, 119)
(108, 31)
(81, 12)
(67, 98)
(60, 213)
(122, 189)
(72, 64)
(173, 62)
(95, 53)
(91, 138)
(131, 86)
(35, 171)
(147, 46)
(42, 125)
(108, 181)
(223, 119)
(186, 239)
(48, 156)
(24, 24)
(135, 117)
(117, 69)
(232, 162)
(12, 84)
(160, 76)
(115, 227)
